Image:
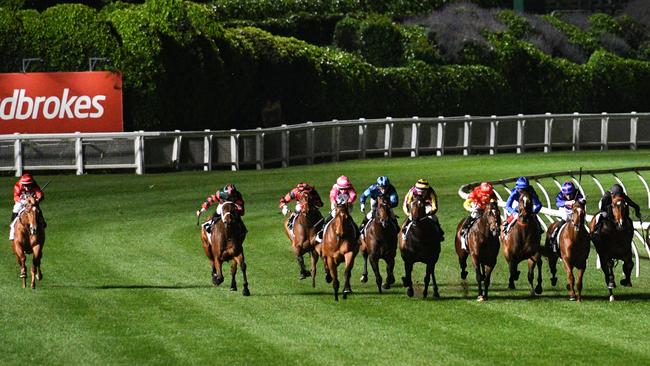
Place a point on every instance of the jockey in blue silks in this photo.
(383, 187)
(512, 204)
(564, 202)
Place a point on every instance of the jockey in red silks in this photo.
(477, 201)
(297, 194)
(228, 193)
(342, 191)
(24, 187)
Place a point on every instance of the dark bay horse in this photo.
(29, 238)
(573, 239)
(483, 246)
(340, 244)
(422, 244)
(224, 244)
(523, 242)
(303, 236)
(615, 242)
(380, 242)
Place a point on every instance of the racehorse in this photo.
(226, 243)
(303, 236)
(523, 242)
(380, 242)
(482, 245)
(422, 244)
(615, 242)
(340, 244)
(29, 238)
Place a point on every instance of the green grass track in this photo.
(126, 280)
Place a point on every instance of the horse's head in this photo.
(418, 207)
(305, 204)
(228, 213)
(578, 215)
(383, 210)
(492, 216)
(525, 206)
(620, 211)
(341, 216)
(31, 214)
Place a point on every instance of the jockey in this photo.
(477, 201)
(228, 193)
(605, 204)
(383, 187)
(296, 194)
(25, 186)
(564, 201)
(341, 191)
(512, 204)
(423, 189)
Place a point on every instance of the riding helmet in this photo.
(230, 188)
(486, 188)
(383, 181)
(522, 183)
(343, 182)
(422, 184)
(616, 190)
(568, 188)
(26, 179)
(302, 186)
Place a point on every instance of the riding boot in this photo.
(13, 216)
(406, 225)
(442, 232)
(319, 235)
(554, 236)
(292, 218)
(466, 226)
(539, 224)
(595, 236)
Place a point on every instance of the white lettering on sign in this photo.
(20, 106)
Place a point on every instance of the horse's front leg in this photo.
(233, 272)
(242, 263)
(462, 261)
(479, 277)
(331, 266)
(436, 294)
(374, 262)
(552, 266)
(487, 270)
(217, 276)
(514, 274)
(314, 261)
(390, 275)
(406, 280)
(364, 274)
(628, 265)
(304, 273)
(571, 280)
(533, 262)
(21, 258)
(349, 264)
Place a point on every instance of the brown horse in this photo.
(380, 242)
(615, 242)
(422, 244)
(483, 245)
(523, 242)
(340, 244)
(29, 238)
(303, 236)
(226, 243)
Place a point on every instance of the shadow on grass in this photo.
(137, 287)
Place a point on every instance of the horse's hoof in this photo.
(345, 296)
(517, 275)
(304, 275)
(246, 292)
(553, 281)
(390, 280)
(404, 281)
(386, 286)
(328, 278)
(347, 291)
(409, 292)
(436, 295)
(611, 285)
(234, 288)
(463, 275)
(538, 289)
(626, 282)
(480, 298)
(23, 275)
(572, 298)
(39, 276)
(611, 298)
(364, 278)
(511, 286)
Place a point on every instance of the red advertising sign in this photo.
(49, 102)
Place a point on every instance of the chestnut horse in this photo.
(303, 236)
(380, 242)
(615, 243)
(483, 245)
(29, 238)
(574, 244)
(523, 242)
(422, 244)
(224, 244)
(340, 244)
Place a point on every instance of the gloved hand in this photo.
(363, 207)
(285, 210)
(428, 209)
(198, 213)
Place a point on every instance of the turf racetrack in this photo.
(126, 280)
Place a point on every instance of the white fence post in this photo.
(440, 136)
(176, 150)
(493, 134)
(363, 138)
(259, 149)
(548, 126)
(604, 123)
(467, 130)
(234, 150)
(336, 140)
(576, 131)
(18, 156)
(388, 137)
(79, 154)
(309, 132)
(415, 141)
(284, 146)
(634, 121)
(520, 133)
(207, 152)
(138, 145)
